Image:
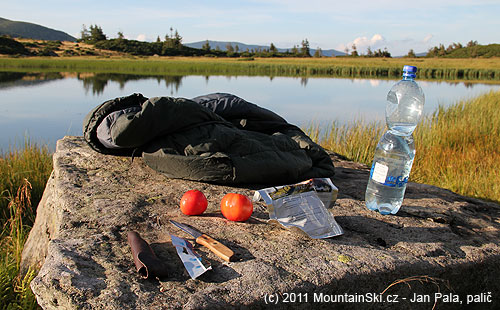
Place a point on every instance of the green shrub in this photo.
(12, 47)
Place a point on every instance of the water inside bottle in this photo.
(404, 129)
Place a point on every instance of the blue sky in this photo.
(398, 25)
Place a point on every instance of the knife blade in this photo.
(191, 260)
(213, 245)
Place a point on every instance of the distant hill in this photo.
(18, 29)
(243, 47)
(423, 54)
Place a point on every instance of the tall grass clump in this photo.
(17, 196)
(456, 147)
(15, 291)
(29, 161)
(355, 140)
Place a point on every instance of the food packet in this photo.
(305, 205)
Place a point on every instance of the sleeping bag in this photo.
(218, 138)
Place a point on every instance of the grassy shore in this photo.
(456, 147)
(429, 68)
(24, 174)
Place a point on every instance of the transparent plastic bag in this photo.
(299, 205)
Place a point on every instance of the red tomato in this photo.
(193, 202)
(236, 207)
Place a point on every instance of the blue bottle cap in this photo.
(409, 71)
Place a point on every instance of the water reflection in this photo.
(96, 83)
(46, 106)
(22, 79)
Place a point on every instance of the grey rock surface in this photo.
(439, 242)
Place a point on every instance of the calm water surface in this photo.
(46, 107)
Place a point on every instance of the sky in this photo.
(396, 25)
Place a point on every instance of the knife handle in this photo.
(215, 246)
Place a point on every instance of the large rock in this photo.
(439, 242)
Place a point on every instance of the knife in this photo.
(213, 245)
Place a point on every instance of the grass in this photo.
(23, 176)
(15, 292)
(27, 162)
(456, 147)
(487, 69)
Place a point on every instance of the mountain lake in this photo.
(44, 107)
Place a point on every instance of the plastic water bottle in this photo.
(389, 174)
(405, 103)
(396, 150)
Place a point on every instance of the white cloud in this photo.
(397, 47)
(362, 43)
(141, 37)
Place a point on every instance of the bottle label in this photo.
(380, 173)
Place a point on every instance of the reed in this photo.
(456, 147)
(445, 69)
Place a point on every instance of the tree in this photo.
(354, 52)
(295, 50)
(369, 52)
(441, 50)
(206, 46)
(93, 35)
(318, 53)
(472, 43)
(177, 39)
(174, 40)
(120, 35)
(272, 49)
(229, 48)
(96, 34)
(167, 37)
(158, 40)
(411, 54)
(453, 46)
(305, 50)
(386, 53)
(432, 52)
(380, 53)
(84, 34)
